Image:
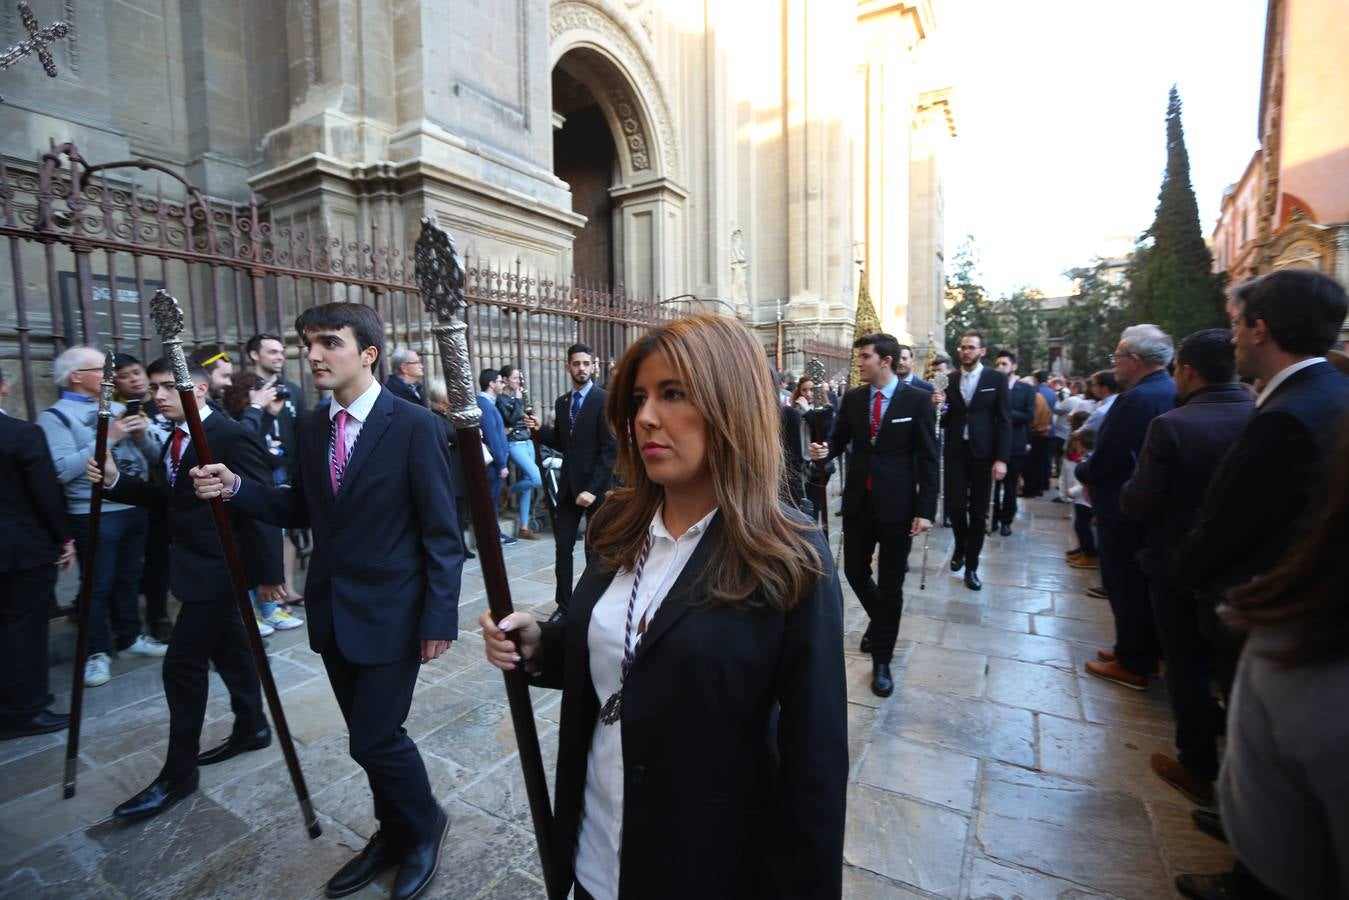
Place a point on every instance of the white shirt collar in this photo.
(1283, 376)
(657, 527)
(205, 413)
(975, 372)
(360, 407)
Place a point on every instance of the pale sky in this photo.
(1060, 107)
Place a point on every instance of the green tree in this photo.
(1172, 281)
(1012, 321)
(968, 305)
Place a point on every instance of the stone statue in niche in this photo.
(739, 270)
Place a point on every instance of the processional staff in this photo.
(87, 576)
(819, 434)
(939, 383)
(168, 319)
(441, 281)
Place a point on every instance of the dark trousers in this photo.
(375, 701)
(25, 597)
(1037, 466)
(567, 520)
(1224, 644)
(883, 599)
(117, 577)
(1056, 445)
(969, 485)
(1125, 584)
(207, 631)
(1005, 491)
(155, 577)
(1082, 527)
(1188, 670)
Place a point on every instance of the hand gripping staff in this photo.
(939, 382)
(87, 577)
(441, 282)
(819, 434)
(168, 319)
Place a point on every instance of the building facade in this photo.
(744, 157)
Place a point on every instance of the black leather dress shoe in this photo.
(379, 854)
(957, 562)
(420, 862)
(972, 581)
(159, 796)
(882, 685)
(44, 722)
(1005, 530)
(865, 646)
(1209, 822)
(234, 745)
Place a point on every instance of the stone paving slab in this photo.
(998, 769)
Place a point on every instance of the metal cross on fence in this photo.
(37, 41)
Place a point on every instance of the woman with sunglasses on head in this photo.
(703, 733)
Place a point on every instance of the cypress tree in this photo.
(1174, 284)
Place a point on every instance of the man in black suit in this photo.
(580, 432)
(208, 629)
(1180, 453)
(38, 540)
(978, 439)
(406, 372)
(383, 590)
(904, 369)
(1021, 409)
(890, 494)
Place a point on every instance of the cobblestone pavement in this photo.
(997, 769)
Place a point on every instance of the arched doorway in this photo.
(584, 156)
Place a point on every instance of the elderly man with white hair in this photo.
(70, 426)
(1140, 362)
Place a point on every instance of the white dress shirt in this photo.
(969, 383)
(357, 413)
(601, 835)
(1283, 375)
(169, 473)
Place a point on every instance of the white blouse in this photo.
(601, 837)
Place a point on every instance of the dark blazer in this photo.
(1021, 411)
(1180, 453)
(789, 427)
(588, 451)
(197, 568)
(1256, 504)
(1120, 440)
(493, 432)
(988, 417)
(724, 796)
(32, 503)
(902, 464)
(401, 389)
(387, 549)
(919, 383)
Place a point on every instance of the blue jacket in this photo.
(1120, 441)
(494, 432)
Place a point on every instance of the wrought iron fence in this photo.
(90, 243)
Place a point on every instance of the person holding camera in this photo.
(267, 352)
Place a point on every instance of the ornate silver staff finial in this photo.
(441, 281)
(37, 41)
(815, 372)
(168, 319)
(106, 386)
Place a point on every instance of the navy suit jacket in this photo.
(901, 463)
(1257, 503)
(1021, 410)
(387, 550)
(1120, 440)
(32, 504)
(588, 450)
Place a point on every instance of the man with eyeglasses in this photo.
(1140, 362)
(406, 371)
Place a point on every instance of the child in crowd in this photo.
(1079, 447)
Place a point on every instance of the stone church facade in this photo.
(751, 157)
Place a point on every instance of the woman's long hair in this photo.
(801, 388)
(1306, 595)
(235, 397)
(764, 556)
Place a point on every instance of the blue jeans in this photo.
(522, 454)
(115, 599)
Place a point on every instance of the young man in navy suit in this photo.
(890, 495)
(580, 432)
(374, 485)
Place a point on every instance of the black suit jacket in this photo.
(902, 464)
(400, 388)
(197, 568)
(1120, 440)
(1021, 410)
(988, 417)
(735, 752)
(588, 450)
(32, 504)
(1257, 504)
(387, 549)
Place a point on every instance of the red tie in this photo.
(175, 453)
(875, 424)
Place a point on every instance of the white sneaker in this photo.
(264, 630)
(282, 620)
(97, 669)
(147, 646)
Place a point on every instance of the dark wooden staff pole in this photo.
(168, 319)
(819, 434)
(87, 578)
(440, 280)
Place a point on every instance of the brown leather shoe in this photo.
(526, 534)
(1113, 671)
(1084, 561)
(1197, 790)
(1105, 655)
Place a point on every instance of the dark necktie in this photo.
(175, 454)
(575, 407)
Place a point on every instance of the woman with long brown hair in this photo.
(703, 735)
